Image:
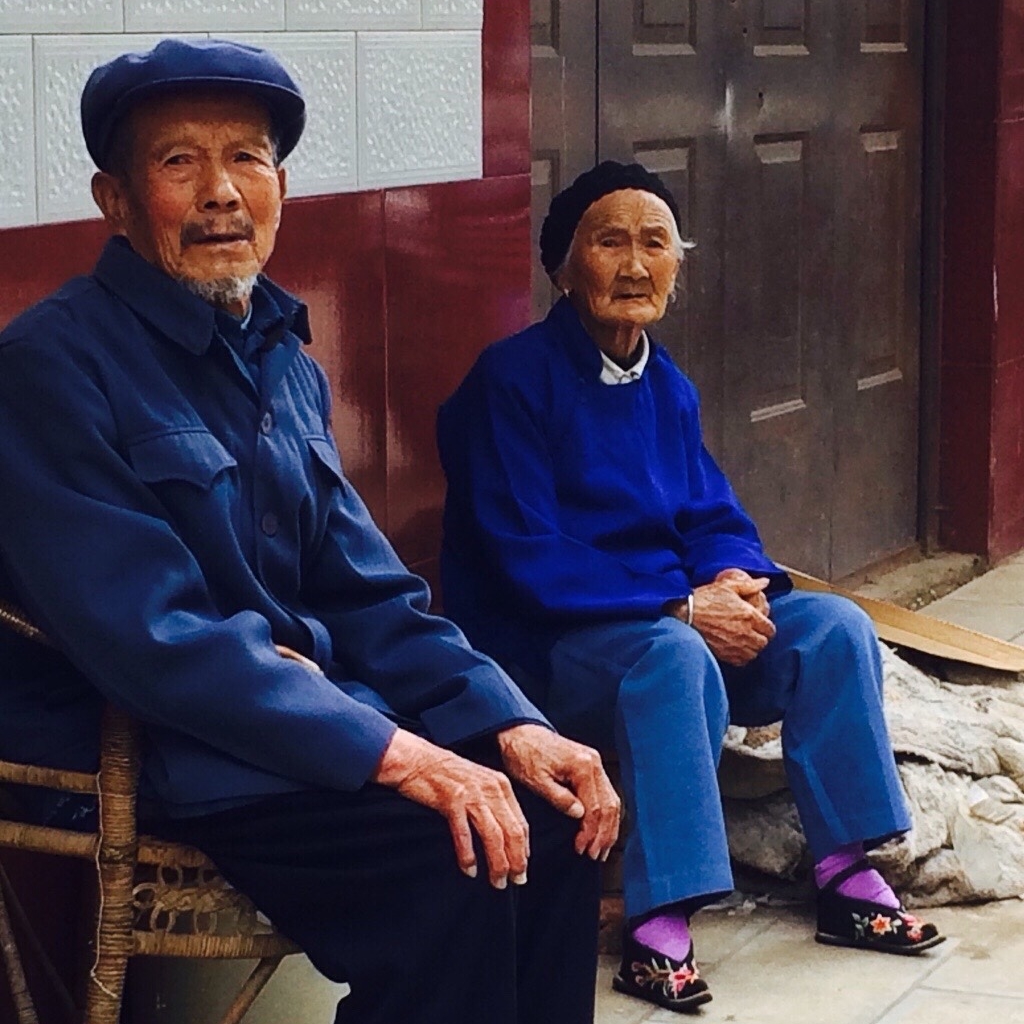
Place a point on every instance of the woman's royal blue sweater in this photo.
(571, 501)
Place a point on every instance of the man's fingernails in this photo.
(470, 871)
(519, 879)
(500, 883)
(595, 854)
(604, 856)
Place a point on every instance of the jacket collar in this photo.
(171, 308)
(582, 349)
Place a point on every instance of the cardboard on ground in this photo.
(901, 626)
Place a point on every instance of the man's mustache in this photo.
(240, 229)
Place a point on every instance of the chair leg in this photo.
(114, 941)
(35, 946)
(253, 986)
(105, 988)
(15, 973)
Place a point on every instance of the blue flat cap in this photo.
(176, 65)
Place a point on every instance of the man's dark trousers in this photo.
(368, 885)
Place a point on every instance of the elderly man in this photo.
(174, 508)
(593, 546)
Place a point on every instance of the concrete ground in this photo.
(992, 603)
(764, 967)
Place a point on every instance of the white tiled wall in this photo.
(420, 111)
(63, 16)
(354, 14)
(17, 160)
(203, 15)
(452, 14)
(393, 88)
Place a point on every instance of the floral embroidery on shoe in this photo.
(680, 978)
(880, 924)
(673, 980)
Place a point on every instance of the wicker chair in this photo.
(155, 898)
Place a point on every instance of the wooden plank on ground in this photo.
(901, 626)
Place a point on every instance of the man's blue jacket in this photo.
(571, 501)
(168, 513)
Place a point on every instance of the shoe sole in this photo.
(879, 947)
(687, 1005)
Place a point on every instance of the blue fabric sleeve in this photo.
(104, 573)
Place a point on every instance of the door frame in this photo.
(932, 189)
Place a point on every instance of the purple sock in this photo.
(668, 934)
(865, 885)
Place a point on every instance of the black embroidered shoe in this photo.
(648, 974)
(861, 924)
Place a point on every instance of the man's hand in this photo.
(471, 798)
(732, 615)
(570, 777)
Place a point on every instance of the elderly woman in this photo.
(593, 547)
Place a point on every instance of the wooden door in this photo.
(789, 131)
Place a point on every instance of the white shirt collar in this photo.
(612, 373)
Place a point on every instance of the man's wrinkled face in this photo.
(623, 261)
(200, 196)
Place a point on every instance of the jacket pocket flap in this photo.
(192, 455)
(327, 455)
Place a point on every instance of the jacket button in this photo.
(267, 423)
(269, 524)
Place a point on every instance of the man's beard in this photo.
(223, 292)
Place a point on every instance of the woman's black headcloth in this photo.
(568, 207)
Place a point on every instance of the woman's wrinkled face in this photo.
(623, 260)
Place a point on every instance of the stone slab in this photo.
(989, 952)
(1002, 585)
(1003, 621)
(927, 1006)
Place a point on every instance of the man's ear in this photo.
(282, 180)
(110, 195)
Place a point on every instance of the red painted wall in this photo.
(404, 286)
(982, 371)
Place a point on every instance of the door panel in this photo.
(878, 280)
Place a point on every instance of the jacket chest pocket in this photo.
(192, 457)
